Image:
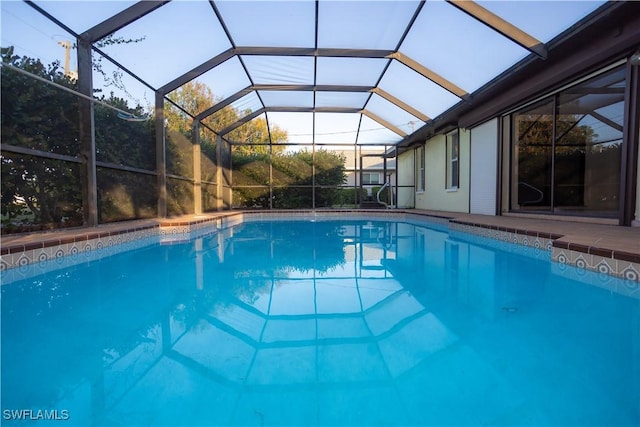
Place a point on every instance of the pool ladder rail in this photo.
(385, 204)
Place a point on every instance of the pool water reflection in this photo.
(322, 323)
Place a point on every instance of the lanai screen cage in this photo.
(126, 110)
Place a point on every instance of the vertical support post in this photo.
(270, 176)
(313, 176)
(219, 166)
(197, 172)
(395, 190)
(161, 156)
(630, 171)
(384, 174)
(356, 193)
(554, 134)
(384, 165)
(87, 136)
(359, 178)
(227, 174)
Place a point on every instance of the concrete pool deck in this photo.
(609, 249)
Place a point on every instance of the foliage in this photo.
(196, 97)
(115, 78)
(124, 195)
(48, 188)
(292, 179)
(48, 192)
(122, 142)
(39, 116)
(349, 197)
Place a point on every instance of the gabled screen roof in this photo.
(361, 72)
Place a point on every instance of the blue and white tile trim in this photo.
(607, 262)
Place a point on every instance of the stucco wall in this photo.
(406, 173)
(436, 196)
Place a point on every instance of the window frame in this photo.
(370, 174)
(452, 167)
(420, 170)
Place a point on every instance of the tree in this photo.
(124, 195)
(41, 117)
(292, 179)
(195, 97)
(38, 116)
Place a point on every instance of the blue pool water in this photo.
(321, 323)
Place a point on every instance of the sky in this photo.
(183, 34)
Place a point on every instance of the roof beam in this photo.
(313, 109)
(395, 101)
(258, 112)
(431, 75)
(220, 105)
(241, 121)
(309, 51)
(271, 51)
(498, 24)
(197, 71)
(270, 87)
(384, 123)
(119, 20)
(316, 88)
(617, 126)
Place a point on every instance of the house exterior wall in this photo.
(484, 168)
(436, 196)
(505, 173)
(372, 164)
(572, 60)
(406, 177)
(482, 173)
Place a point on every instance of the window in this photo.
(420, 173)
(453, 168)
(370, 178)
(566, 149)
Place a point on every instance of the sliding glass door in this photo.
(566, 150)
(531, 187)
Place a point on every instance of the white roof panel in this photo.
(338, 52)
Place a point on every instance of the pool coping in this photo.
(599, 255)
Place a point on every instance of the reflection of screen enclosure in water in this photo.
(570, 161)
(319, 322)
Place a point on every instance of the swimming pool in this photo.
(321, 322)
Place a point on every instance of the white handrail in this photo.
(386, 184)
(531, 202)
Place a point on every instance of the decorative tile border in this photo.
(608, 262)
(538, 240)
(529, 251)
(68, 256)
(22, 255)
(608, 265)
(605, 261)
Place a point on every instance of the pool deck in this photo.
(611, 242)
